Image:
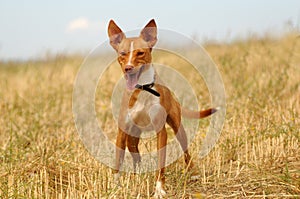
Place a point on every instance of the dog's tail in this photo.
(198, 114)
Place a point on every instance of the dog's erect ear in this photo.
(149, 33)
(115, 34)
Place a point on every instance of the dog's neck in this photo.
(147, 76)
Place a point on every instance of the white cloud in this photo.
(81, 23)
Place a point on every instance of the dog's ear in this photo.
(149, 33)
(115, 34)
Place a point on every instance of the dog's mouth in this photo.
(132, 78)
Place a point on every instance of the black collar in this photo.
(148, 87)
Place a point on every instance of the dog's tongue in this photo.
(131, 81)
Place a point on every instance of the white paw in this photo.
(117, 179)
(195, 177)
(159, 191)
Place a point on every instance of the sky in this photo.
(32, 28)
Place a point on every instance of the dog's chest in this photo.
(143, 109)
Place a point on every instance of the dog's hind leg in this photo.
(182, 139)
(175, 123)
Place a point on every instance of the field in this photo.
(257, 155)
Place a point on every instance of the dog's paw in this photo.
(159, 190)
(116, 178)
(195, 177)
(159, 193)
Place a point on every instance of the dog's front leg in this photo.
(120, 152)
(132, 143)
(161, 149)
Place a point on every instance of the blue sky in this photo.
(30, 28)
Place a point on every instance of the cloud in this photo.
(81, 23)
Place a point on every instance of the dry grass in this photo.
(257, 156)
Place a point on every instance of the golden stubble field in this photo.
(257, 155)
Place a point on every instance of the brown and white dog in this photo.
(146, 104)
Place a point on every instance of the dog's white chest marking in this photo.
(146, 111)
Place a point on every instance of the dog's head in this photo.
(134, 54)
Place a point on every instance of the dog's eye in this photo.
(122, 53)
(140, 53)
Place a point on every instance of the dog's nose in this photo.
(128, 68)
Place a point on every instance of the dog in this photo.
(146, 103)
